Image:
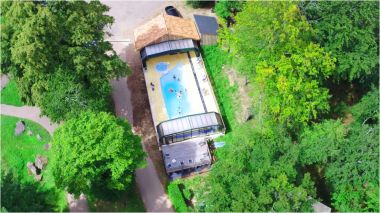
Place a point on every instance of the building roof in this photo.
(206, 24)
(189, 122)
(184, 155)
(320, 207)
(167, 47)
(164, 28)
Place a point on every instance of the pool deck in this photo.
(190, 62)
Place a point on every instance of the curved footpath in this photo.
(33, 113)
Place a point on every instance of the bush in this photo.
(175, 196)
(197, 3)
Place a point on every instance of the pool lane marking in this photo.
(196, 81)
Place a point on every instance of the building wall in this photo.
(207, 39)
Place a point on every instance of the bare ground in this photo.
(244, 101)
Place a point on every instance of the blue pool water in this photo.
(175, 94)
(162, 66)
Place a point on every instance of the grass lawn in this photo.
(226, 94)
(16, 151)
(9, 94)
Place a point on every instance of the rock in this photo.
(30, 133)
(38, 177)
(20, 128)
(31, 168)
(39, 137)
(47, 146)
(41, 161)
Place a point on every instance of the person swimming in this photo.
(171, 90)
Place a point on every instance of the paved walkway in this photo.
(128, 15)
(31, 113)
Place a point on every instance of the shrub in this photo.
(197, 3)
(176, 197)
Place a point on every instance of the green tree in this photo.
(57, 49)
(18, 196)
(350, 30)
(93, 149)
(292, 86)
(349, 154)
(367, 110)
(197, 3)
(256, 171)
(226, 9)
(320, 142)
(354, 172)
(271, 42)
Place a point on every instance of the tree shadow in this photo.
(17, 196)
(106, 200)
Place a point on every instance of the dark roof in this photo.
(185, 155)
(206, 24)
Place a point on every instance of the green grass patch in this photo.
(215, 59)
(9, 94)
(16, 151)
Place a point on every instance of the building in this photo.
(183, 105)
(207, 27)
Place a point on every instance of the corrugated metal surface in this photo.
(168, 46)
(189, 122)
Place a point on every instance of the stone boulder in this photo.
(41, 162)
(31, 168)
(47, 146)
(38, 177)
(30, 133)
(20, 128)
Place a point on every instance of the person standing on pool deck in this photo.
(152, 86)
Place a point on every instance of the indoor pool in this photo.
(177, 90)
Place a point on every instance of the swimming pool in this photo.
(180, 92)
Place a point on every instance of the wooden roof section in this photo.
(164, 28)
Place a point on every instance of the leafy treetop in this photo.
(93, 149)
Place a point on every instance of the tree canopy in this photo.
(272, 43)
(256, 172)
(226, 9)
(350, 155)
(321, 141)
(57, 53)
(350, 30)
(95, 148)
